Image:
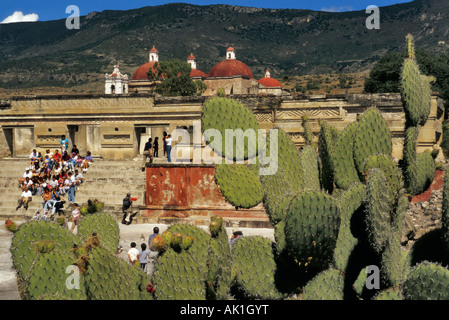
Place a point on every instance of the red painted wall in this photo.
(184, 190)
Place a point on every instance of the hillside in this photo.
(289, 42)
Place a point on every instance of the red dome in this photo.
(141, 73)
(229, 68)
(191, 57)
(195, 73)
(270, 82)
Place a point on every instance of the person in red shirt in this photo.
(57, 157)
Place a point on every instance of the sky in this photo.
(44, 10)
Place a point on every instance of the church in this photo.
(231, 76)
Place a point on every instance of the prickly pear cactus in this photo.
(311, 228)
(379, 207)
(372, 136)
(102, 224)
(219, 263)
(345, 172)
(107, 277)
(393, 175)
(23, 242)
(222, 115)
(308, 135)
(427, 281)
(389, 294)
(254, 268)
(309, 165)
(287, 181)
(415, 90)
(200, 245)
(239, 185)
(327, 285)
(326, 142)
(350, 201)
(55, 274)
(179, 276)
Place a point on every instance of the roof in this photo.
(230, 68)
(191, 57)
(197, 73)
(141, 72)
(270, 82)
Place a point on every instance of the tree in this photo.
(174, 76)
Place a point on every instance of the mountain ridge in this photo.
(287, 41)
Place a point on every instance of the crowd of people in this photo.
(52, 176)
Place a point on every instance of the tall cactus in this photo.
(372, 136)
(327, 138)
(415, 89)
(345, 171)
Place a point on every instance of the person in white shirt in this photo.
(28, 173)
(133, 253)
(168, 146)
(78, 178)
(25, 198)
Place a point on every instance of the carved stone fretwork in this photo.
(117, 137)
(310, 113)
(48, 138)
(264, 117)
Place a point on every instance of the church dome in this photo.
(230, 68)
(270, 82)
(195, 73)
(141, 73)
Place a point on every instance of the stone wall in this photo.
(115, 127)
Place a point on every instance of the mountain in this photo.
(287, 41)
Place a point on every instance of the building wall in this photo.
(237, 85)
(111, 126)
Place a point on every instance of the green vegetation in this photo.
(174, 76)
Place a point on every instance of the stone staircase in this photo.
(106, 180)
(10, 171)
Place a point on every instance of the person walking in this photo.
(168, 142)
(144, 256)
(127, 209)
(76, 216)
(133, 254)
